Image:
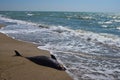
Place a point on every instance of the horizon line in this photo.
(60, 11)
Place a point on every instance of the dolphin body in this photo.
(45, 61)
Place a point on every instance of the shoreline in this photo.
(19, 68)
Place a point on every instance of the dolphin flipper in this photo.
(53, 57)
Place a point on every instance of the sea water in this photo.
(87, 43)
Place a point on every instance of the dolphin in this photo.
(44, 60)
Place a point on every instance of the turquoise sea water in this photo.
(87, 43)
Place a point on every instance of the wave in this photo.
(80, 17)
(62, 39)
(5, 19)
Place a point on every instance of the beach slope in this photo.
(19, 68)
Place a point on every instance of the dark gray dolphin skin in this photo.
(45, 61)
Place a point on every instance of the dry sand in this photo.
(19, 68)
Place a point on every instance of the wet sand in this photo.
(19, 68)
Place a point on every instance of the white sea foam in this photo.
(104, 26)
(19, 29)
(29, 14)
(118, 28)
(108, 22)
(117, 20)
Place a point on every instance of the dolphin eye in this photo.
(61, 66)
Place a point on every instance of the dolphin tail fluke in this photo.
(17, 53)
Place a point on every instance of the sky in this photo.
(61, 5)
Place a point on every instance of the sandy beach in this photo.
(19, 68)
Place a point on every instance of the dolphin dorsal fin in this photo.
(53, 57)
